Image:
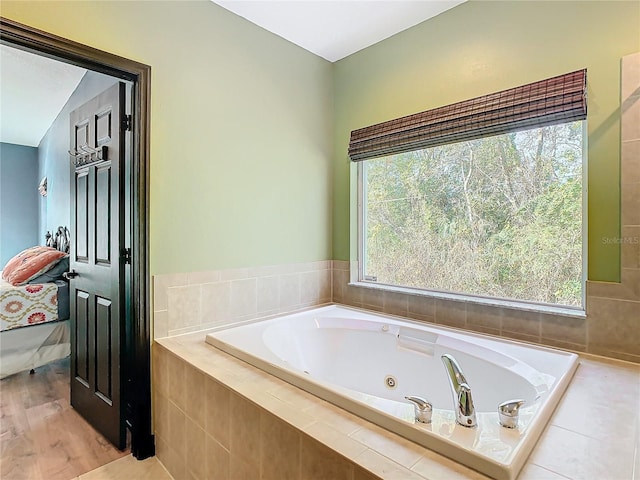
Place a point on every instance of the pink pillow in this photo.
(30, 263)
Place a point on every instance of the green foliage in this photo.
(499, 216)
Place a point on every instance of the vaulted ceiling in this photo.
(33, 89)
(335, 29)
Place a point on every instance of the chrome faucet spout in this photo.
(461, 391)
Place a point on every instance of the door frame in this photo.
(137, 347)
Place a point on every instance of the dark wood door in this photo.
(97, 268)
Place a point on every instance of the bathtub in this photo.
(367, 363)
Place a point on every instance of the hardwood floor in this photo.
(41, 436)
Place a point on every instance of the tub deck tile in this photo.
(397, 449)
(384, 467)
(576, 444)
(435, 467)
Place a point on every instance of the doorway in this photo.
(135, 354)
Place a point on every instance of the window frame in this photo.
(358, 277)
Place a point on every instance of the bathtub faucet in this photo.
(462, 399)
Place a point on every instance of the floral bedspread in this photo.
(27, 305)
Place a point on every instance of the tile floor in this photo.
(128, 468)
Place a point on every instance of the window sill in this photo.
(565, 311)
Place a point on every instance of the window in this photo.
(493, 215)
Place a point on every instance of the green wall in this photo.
(249, 133)
(483, 47)
(241, 129)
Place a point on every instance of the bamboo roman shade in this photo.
(547, 102)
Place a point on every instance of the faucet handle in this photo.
(422, 409)
(508, 413)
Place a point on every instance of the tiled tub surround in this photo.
(218, 417)
(344, 355)
(187, 302)
(611, 327)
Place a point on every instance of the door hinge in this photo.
(126, 122)
(126, 256)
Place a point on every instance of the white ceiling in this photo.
(33, 90)
(335, 29)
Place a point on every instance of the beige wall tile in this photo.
(614, 325)
(217, 461)
(631, 280)
(218, 412)
(245, 431)
(196, 451)
(183, 306)
(559, 343)
(630, 245)
(309, 287)
(160, 414)
(324, 285)
(629, 164)
(172, 461)
(372, 298)
(450, 313)
(340, 278)
(160, 324)
(176, 391)
(244, 298)
(607, 290)
(630, 77)
(268, 291)
(340, 265)
(523, 337)
(353, 296)
(279, 449)
(361, 474)
(177, 430)
(195, 398)
(318, 462)
(630, 204)
(289, 291)
(567, 329)
(216, 303)
(485, 330)
(160, 285)
(160, 369)
(395, 303)
(521, 322)
(486, 316)
(420, 305)
(241, 469)
(630, 124)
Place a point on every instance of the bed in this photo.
(34, 321)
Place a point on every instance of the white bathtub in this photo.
(348, 356)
